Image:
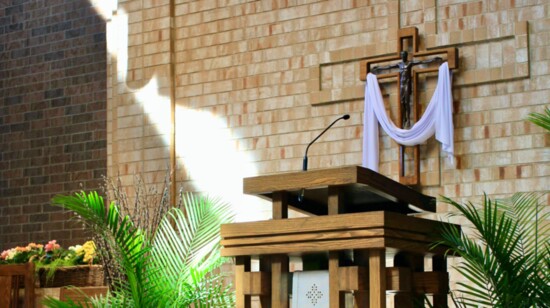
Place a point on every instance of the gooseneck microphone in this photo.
(304, 165)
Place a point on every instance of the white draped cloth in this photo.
(437, 118)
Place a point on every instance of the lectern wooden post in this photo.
(352, 209)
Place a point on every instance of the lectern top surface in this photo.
(360, 190)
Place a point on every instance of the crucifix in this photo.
(406, 72)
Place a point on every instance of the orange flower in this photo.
(35, 246)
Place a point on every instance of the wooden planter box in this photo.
(17, 277)
(78, 276)
(12, 278)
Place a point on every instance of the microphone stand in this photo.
(304, 163)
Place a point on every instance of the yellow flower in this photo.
(89, 251)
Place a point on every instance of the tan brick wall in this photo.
(274, 73)
(263, 78)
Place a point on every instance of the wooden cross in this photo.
(410, 34)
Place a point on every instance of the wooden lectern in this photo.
(358, 219)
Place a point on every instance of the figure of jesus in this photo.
(405, 88)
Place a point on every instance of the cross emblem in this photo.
(407, 76)
(314, 295)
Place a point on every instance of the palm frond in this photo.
(481, 267)
(503, 261)
(173, 265)
(186, 243)
(205, 289)
(531, 215)
(99, 301)
(120, 231)
(541, 119)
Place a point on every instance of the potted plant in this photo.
(56, 266)
(506, 260)
(169, 265)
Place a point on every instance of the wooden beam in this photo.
(362, 180)
(16, 272)
(335, 204)
(398, 279)
(336, 298)
(257, 283)
(431, 283)
(242, 265)
(280, 205)
(361, 299)
(173, 86)
(279, 281)
(6, 291)
(328, 235)
(369, 230)
(403, 300)
(439, 264)
(265, 267)
(351, 278)
(355, 221)
(377, 278)
(407, 33)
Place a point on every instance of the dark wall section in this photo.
(52, 115)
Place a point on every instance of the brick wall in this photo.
(275, 73)
(52, 115)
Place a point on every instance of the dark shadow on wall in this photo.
(52, 115)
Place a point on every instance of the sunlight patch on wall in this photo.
(105, 8)
(207, 148)
(156, 106)
(117, 42)
(204, 145)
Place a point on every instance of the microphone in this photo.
(304, 165)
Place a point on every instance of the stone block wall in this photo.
(52, 115)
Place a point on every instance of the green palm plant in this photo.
(170, 266)
(506, 260)
(185, 252)
(541, 119)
